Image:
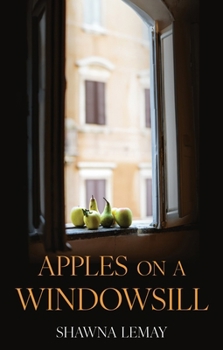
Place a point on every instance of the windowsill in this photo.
(82, 233)
(94, 29)
(137, 228)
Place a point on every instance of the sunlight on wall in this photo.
(116, 58)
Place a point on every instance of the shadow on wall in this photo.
(168, 246)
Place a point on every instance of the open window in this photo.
(174, 169)
(173, 180)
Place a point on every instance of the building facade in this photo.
(107, 112)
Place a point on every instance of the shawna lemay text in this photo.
(111, 332)
(76, 298)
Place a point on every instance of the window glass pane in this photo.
(92, 12)
(149, 211)
(147, 108)
(170, 122)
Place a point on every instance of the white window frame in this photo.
(145, 33)
(145, 172)
(174, 203)
(169, 126)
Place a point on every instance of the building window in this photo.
(93, 16)
(95, 178)
(94, 73)
(95, 102)
(97, 188)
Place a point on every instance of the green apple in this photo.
(123, 217)
(92, 219)
(77, 216)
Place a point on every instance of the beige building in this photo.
(108, 128)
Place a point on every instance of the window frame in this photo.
(53, 240)
(186, 212)
(145, 172)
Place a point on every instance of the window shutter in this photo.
(100, 193)
(97, 189)
(178, 141)
(147, 108)
(100, 95)
(90, 102)
(89, 184)
(95, 102)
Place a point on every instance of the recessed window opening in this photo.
(129, 121)
(108, 148)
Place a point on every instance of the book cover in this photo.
(150, 293)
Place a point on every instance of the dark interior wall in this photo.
(15, 131)
(187, 10)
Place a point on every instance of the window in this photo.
(174, 197)
(95, 178)
(94, 74)
(95, 102)
(97, 189)
(174, 200)
(93, 13)
(153, 81)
